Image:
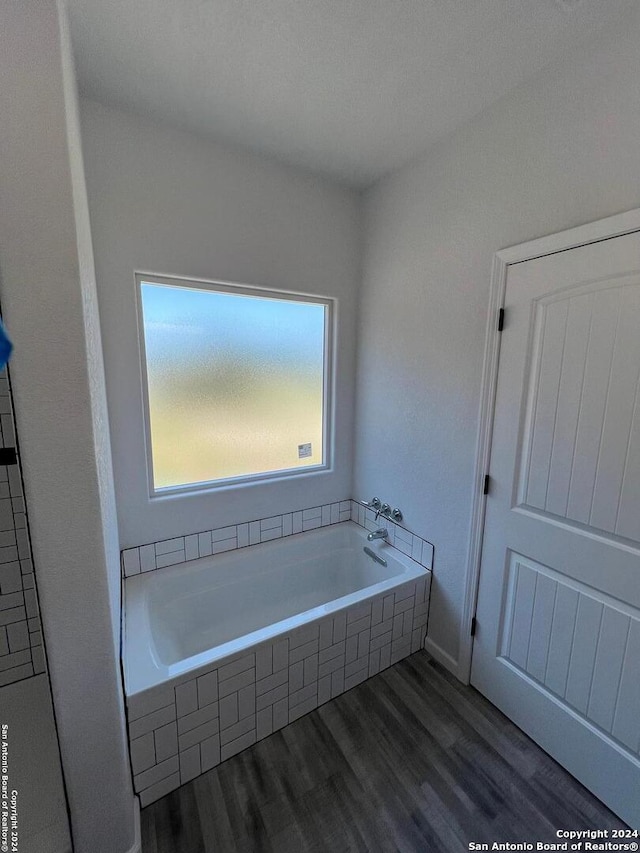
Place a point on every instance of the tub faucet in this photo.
(381, 533)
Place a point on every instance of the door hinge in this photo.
(474, 625)
(501, 319)
(487, 483)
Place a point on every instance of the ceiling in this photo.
(348, 88)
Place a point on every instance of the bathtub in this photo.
(222, 650)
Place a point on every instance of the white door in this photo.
(557, 645)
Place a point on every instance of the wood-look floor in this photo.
(410, 760)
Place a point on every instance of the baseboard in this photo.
(442, 657)
(136, 847)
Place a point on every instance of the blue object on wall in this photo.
(5, 346)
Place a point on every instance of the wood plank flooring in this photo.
(410, 760)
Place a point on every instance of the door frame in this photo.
(592, 232)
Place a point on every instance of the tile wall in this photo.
(21, 651)
(412, 545)
(184, 728)
(169, 552)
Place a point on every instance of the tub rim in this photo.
(142, 670)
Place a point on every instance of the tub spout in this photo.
(381, 533)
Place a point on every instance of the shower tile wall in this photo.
(21, 651)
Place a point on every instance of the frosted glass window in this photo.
(236, 382)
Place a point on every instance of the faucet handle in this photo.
(374, 503)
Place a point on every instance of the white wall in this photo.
(47, 290)
(170, 202)
(559, 151)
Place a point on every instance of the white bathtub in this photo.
(193, 615)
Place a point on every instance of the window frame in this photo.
(328, 382)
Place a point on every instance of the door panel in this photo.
(584, 408)
(557, 644)
(572, 641)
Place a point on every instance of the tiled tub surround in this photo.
(199, 717)
(21, 652)
(182, 549)
(410, 544)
